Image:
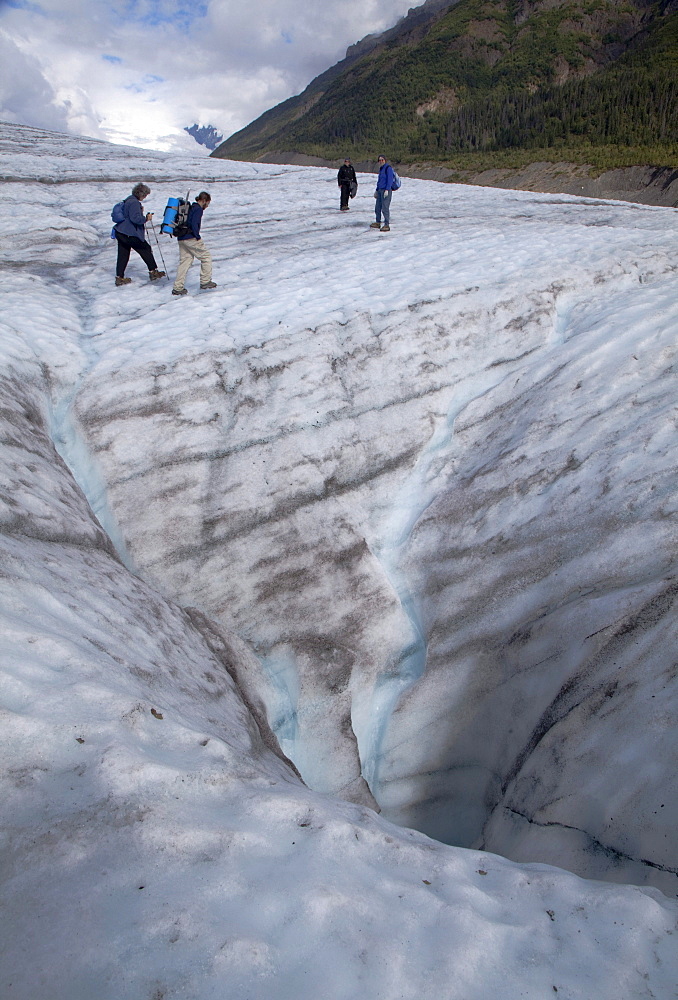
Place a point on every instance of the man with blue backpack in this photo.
(387, 182)
(130, 232)
(192, 247)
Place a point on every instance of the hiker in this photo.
(131, 235)
(345, 179)
(192, 247)
(385, 185)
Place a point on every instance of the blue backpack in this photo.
(396, 181)
(118, 212)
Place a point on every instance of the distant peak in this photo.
(205, 135)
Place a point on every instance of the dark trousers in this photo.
(345, 191)
(125, 246)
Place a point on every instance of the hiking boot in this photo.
(385, 229)
(376, 225)
(344, 208)
(210, 284)
(154, 275)
(179, 291)
(122, 281)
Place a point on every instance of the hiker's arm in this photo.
(135, 213)
(194, 218)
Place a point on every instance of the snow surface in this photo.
(428, 476)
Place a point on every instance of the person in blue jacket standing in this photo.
(192, 247)
(382, 205)
(131, 235)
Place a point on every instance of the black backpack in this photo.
(181, 221)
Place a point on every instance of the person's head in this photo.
(347, 161)
(381, 160)
(204, 199)
(141, 191)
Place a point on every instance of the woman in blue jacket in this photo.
(131, 235)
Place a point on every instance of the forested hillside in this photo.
(593, 80)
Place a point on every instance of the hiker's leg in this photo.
(123, 254)
(386, 207)
(345, 189)
(201, 253)
(144, 250)
(185, 261)
(377, 205)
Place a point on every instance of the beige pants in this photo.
(190, 250)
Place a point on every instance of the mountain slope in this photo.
(263, 133)
(495, 76)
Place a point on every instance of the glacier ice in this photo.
(407, 503)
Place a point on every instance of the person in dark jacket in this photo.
(385, 182)
(192, 247)
(131, 235)
(345, 178)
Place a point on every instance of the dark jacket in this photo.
(193, 222)
(346, 174)
(385, 178)
(135, 219)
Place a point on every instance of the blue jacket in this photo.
(193, 222)
(385, 178)
(135, 219)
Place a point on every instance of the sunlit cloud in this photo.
(139, 71)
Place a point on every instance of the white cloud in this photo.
(138, 71)
(24, 91)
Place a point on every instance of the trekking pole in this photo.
(159, 250)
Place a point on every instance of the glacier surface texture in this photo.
(339, 602)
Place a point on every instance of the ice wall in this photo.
(546, 583)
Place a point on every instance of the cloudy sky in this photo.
(138, 71)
